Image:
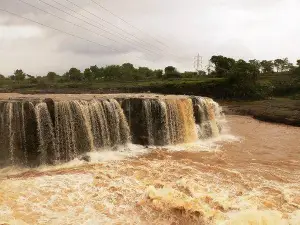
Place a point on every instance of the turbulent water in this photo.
(246, 175)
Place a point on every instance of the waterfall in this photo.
(207, 114)
(46, 135)
(18, 135)
(109, 125)
(50, 131)
(161, 121)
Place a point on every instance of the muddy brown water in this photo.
(252, 180)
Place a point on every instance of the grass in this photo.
(95, 86)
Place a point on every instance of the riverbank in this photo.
(275, 110)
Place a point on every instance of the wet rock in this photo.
(86, 158)
(115, 148)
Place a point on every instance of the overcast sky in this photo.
(170, 32)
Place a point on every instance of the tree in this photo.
(127, 71)
(255, 63)
(297, 69)
(112, 72)
(158, 73)
(33, 80)
(98, 72)
(145, 72)
(75, 75)
(19, 75)
(65, 77)
(278, 63)
(290, 67)
(282, 64)
(2, 78)
(170, 69)
(222, 64)
(88, 74)
(171, 72)
(285, 64)
(267, 66)
(51, 76)
(128, 66)
(243, 77)
(244, 72)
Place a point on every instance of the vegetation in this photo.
(222, 65)
(227, 78)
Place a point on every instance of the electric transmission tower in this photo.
(198, 63)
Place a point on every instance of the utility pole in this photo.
(198, 63)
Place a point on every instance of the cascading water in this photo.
(18, 135)
(161, 121)
(48, 131)
(208, 117)
(46, 135)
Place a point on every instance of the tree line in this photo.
(241, 77)
(108, 73)
(220, 66)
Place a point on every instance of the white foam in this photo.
(119, 153)
(295, 218)
(256, 217)
(212, 144)
(207, 145)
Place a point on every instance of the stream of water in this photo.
(248, 175)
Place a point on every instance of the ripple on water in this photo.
(164, 187)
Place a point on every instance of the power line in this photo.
(68, 33)
(66, 20)
(101, 6)
(57, 8)
(72, 22)
(119, 28)
(62, 31)
(56, 29)
(105, 30)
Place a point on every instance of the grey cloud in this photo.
(236, 28)
(78, 46)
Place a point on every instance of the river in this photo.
(251, 176)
